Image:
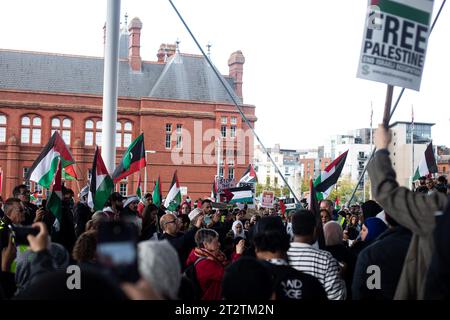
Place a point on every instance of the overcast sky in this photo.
(301, 56)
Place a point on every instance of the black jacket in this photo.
(388, 252)
(183, 243)
(438, 278)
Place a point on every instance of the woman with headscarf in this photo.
(371, 229)
(238, 230)
(333, 235)
(210, 262)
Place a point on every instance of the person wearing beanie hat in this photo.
(370, 209)
(194, 214)
(247, 279)
(130, 212)
(158, 265)
(372, 228)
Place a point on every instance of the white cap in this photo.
(130, 200)
(194, 213)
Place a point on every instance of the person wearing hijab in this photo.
(371, 229)
(333, 235)
(238, 230)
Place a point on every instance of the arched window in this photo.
(2, 128)
(93, 132)
(124, 133)
(30, 129)
(63, 126)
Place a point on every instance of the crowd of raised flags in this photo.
(56, 163)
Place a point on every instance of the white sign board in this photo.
(267, 199)
(183, 191)
(395, 42)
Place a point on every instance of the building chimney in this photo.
(165, 51)
(134, 46)
(236, 69)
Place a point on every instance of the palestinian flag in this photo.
(69, 173)
(249, 175)
(138, 190)
(44, 167)
(55, 200)
(427, 164)
(101, 183)
(133, 159)
(34, 197)
(157, 196)
(328, 178)
(313, 206)
(240, 195)
(173, 198)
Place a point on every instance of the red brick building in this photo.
(174, 101)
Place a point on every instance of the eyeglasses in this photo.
(168, 222)
(25, 193)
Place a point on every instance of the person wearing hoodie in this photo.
(210, 262)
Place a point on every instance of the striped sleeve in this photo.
(333, 283)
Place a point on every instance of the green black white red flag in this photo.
(328, 178)
(101, 183)
(427, 164)
(45, 166)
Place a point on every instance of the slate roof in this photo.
(183, 77)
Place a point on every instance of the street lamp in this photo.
(145, 174)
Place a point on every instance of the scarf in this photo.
(218, 257)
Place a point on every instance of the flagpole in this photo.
(110, 84)
(233, 98)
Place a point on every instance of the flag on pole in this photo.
(45, 166)
(138, 190)
(157, 193)
(427, 164)
(133, 159)
(241, 195)
(173, 198)
(328, 178)
(249, 176)
(313, 206)
(101, 183)
(54, 202)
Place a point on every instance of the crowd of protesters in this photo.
(200, 253)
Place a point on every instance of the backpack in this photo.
(190, 275)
